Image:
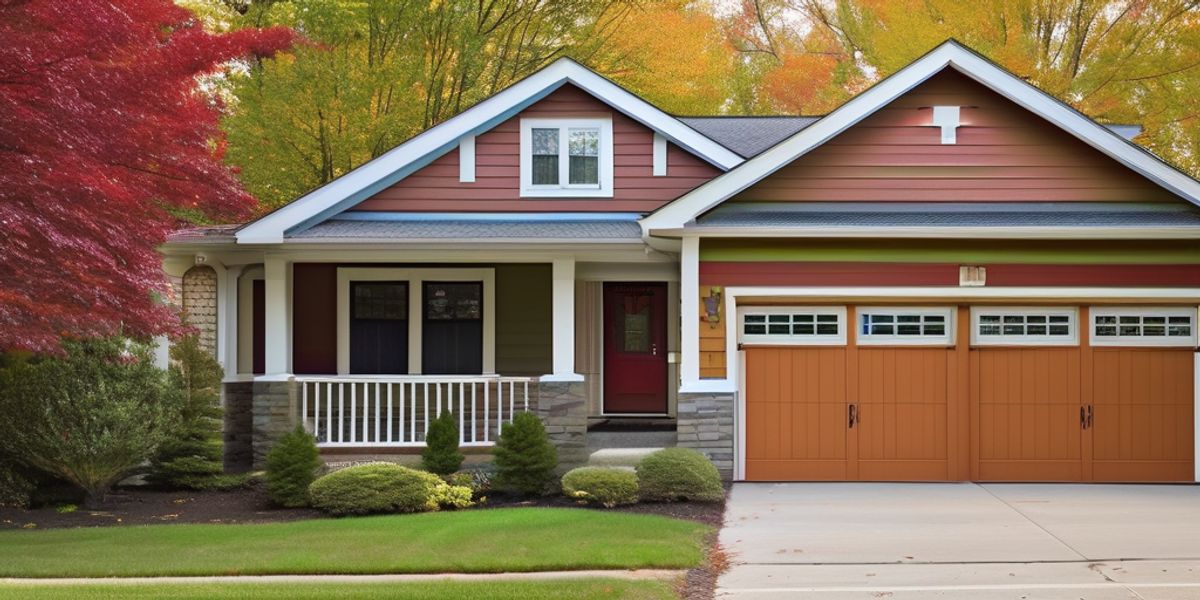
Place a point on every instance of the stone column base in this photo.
(273, 413)
(705, 423)
(238, 397)
(562, 407)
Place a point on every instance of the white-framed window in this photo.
(801, 325)
(932, 326)
(567, 158)
(1024, 326)
(1135, 326)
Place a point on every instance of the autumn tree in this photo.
(105, 144)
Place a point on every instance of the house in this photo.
(953, 276)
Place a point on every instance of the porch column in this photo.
(227, 318)
(563, 321)
(689, 313)
(277, 355)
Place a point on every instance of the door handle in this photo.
(1085, 416)
(1089, 417)
(853, 415)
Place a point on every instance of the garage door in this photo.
(825, 406)
(1031, 394)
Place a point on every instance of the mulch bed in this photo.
(139, 506)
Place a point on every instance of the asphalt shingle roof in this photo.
(473, 229)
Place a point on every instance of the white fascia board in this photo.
(999, 233)
(422, 149)
(949, 54)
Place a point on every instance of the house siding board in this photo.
(436, 187)
(1003, 153)
(873, 274)
(1114, 252)
(314, 318)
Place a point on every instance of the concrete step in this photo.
(600, 440)
(624, 458)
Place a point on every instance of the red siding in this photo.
(497, 169)
(913, 274)
(1003, 153)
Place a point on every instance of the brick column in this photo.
(705, 423)
(562, 407)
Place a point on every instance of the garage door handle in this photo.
(1082, 417)
(853, 415)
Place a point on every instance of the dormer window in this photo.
(566, 158)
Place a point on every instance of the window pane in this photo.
(756, 329)
(453, 301)
(827, 329)
(584, 147)
(584, 170)
(545, 157)
(382, 301)
(935, 330)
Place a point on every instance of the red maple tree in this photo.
(104, 142)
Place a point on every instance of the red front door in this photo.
(635, 348)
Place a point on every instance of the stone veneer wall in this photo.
(273, 413)
(239, 426)
(199, 303)
(705, 423)
(562, 407)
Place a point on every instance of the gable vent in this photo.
(946, 117)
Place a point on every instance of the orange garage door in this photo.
(1069, 412)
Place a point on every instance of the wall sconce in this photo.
(712, 307)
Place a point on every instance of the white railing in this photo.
(346, 411)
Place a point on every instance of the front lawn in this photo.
(566, 589)
(477, 541)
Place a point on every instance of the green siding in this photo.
(523, 325)
(952, 251)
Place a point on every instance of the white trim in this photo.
(1141, 311)
(1196, 410)
(660, 155)
(437, 140)
(1003, 233)
(466, 159)
(228, 314)
(739, 416)
(1071, 313)
(245, 323)
(948, 55)
(562, 319)
(689, 312)
(277, 326)
(415, 279)
(814, 339)
(564, 189)
(866, 339)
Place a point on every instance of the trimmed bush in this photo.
(91, 417)
(525, 458)
(676, 474)
(605, 486)
(384, 488)
(441, 455)
(191, 458)
(292, 466)
(15, 487)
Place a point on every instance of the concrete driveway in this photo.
(959, 540)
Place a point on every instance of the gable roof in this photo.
(401, 161)
(950, 54)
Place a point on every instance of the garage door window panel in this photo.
(789, 326)
(905, 326)
(1023, 327)
(1143, 327)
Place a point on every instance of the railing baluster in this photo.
(378, 398)
(462, 432)
(328, 412)
(487, 391)
(474, 413)
(304, 404)
(426, 416)
(512, 391)
(389, 413)
(353, 412)
(526, 384)
(341, 412)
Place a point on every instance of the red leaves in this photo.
(102, 134)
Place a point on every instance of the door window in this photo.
(452, 328)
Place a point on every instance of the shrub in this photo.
(292, 466)
(525, 458)
(90, 417)
(384, 488)
(441, 455)
(477, 480)
(679, 474)
(191, 457)
(605, 486)
(15, 487)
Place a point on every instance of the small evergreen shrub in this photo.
(605, 486)
(292, 466)
(191, 458)
(525, 458)
(15, 487)
(384, 488)
(90, 417)
(674, 474)
(441, 455)
(477, 480)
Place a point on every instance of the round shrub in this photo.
(384, 488)
(605, 486)
(679, 474)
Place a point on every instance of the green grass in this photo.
(575, 589)
(478, 541)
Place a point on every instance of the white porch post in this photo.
(277, 355)
(227, 318)
(563, 320)
(689, 313)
